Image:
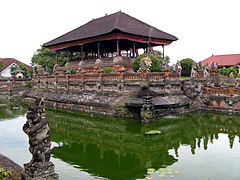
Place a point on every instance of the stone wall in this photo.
(13, 86)
(211, 91)
(108, 93)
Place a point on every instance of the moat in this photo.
(195, 145)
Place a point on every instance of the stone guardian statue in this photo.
(37, 128)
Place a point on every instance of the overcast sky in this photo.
(203, 27)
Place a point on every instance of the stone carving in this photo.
(18, 73)
(37, 129)
(176, 66)
(194, 71)
(99, 63)
(82, 66)
(206, 73)
(40, 70)
(143, 66)
(55, 68)
(147, 110)
(200, 66)
(231, 79)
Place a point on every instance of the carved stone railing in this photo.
(120, 81)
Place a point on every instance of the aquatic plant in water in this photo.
(152, 132)
(161, 172)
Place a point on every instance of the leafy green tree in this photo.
(47, 58)
(1, 65)
(159, 56)
(26, 73)
(186, 65)
(13, 68)
(226, 71)
(155, 66)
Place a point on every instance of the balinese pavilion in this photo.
(112, 41)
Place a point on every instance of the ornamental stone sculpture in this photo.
(37, 129)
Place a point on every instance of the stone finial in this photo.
(200, 66)
(194, 71)
(82, 66)
(206, 73)
(18, 73)
(37, 129)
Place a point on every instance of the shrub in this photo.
(186, 65)
(155, 66)
(72, 71)
(108, 69)
(5, 174)
(226, 71)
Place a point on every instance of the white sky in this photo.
(203, 27)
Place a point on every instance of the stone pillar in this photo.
(37, 128)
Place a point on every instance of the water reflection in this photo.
(10, 109)
(118, 149)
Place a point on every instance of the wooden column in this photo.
(163, 51)
(118, 54)
(134, 50)
(71, 54)
(98, 46)
(56, 57)
(68, 55)
(81, 52)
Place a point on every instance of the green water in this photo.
(193, 146)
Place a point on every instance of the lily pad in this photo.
(150, 171)
(148, 177)
(161, 175)
(153, 132)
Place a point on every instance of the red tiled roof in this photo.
(223, 60)
(8, 61)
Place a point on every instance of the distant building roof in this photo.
(223, 60)
(117, 22)
(8, 61)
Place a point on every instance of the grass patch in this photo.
(185, 77)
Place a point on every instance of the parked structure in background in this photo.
(226, 60)
(5, 71)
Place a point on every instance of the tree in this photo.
(159, 56)
(186, 65)
(1, 65)
(227, 71)
(13, 68)
(155, 66)
(47, 58)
